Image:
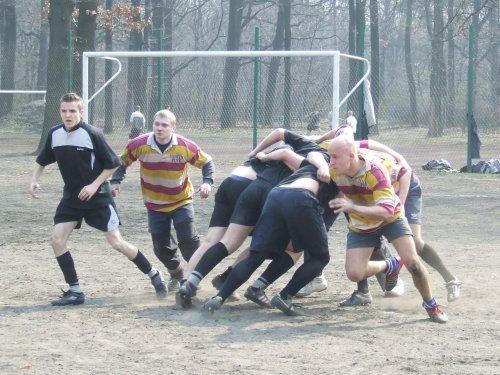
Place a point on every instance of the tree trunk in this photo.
(494, 82)
(59, 23)
(232, 66)
(438, 73)
(43, 41)
(84, 40)
(409, 65)
(351, 102)
(134, 76)
(273, 69)
(156, 36)
(450, 95)
(146, 68)
(287, 89)
(108, 72)
(167, 46)
(362, 128)
(8, 59)
(375, 54)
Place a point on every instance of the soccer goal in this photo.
(234, 93)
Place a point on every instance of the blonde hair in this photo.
(167, 114)
(72, 97)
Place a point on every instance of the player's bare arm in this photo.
(275, 136)
(404, 186)
(287, 156)
(34, 186)
(345, 205)
(318, 160)
(377, 146)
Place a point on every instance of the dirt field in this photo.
(123, 328)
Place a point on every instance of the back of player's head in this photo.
(137, 108)
(72, 97)
(167, 114)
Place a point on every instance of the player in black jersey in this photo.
(248, 208)
(85, 162)
(292, 213)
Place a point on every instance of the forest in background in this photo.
(421, 53)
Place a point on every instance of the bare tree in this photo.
(59, 22)
(8, 49)
(43, 41)
(274, 67)
(409, 65)
(168, 22)
(134, 72)
(157, 28)
(287, 89)
(231, 67)
(374, 53)
(108, 72)
(494, 82)
(351, 103)
(438, 72)
(85, 41)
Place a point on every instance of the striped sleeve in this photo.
(380, 183)
(196, 156)
(130, 152)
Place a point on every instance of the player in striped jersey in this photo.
(374, 210)
(167, 191)
(407, 186)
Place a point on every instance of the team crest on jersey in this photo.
(174, 158)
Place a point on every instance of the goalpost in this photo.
(303, 95)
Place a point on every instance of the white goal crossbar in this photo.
(335, 55)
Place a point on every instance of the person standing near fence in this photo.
(352, 122)
(85, 162)
(167, 190)
(137, 122)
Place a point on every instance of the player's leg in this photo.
(432, 258)
(60, 234)
(269, 237)
(233, 238)
(239, 274)
(106, 220)
(187, 236)
(247, 211)
(319, 283)
(414, 214)
(399, 234)
(359, 266)
(280, 264)
(214, 235)
(307, 232)
(164, 246)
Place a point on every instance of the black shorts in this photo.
(250, 203)
(225, 199)
(329, 217)
(104, 218)
(290, 215)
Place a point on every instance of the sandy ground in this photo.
(123, 328)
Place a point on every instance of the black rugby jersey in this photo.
(278, 171)
(81, 154)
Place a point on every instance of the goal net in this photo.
(229, 97)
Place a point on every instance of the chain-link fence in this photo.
(195, 91)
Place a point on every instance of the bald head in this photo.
(342, 144)
(343, 154)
